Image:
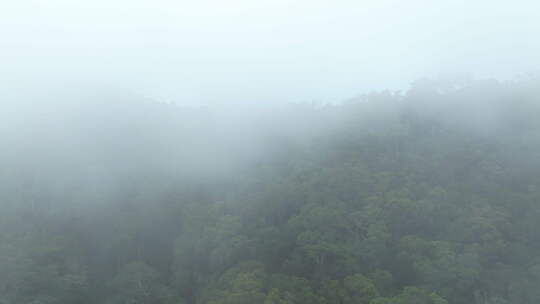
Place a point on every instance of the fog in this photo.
(205, 52)
(273, 152)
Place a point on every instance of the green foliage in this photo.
(139, 283)
(412, 295)
(428, 197)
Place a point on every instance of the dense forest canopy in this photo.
(426, 197)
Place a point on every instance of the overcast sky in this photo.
(204, 51)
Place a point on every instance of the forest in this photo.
(429, 196)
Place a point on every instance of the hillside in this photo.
(426, 197)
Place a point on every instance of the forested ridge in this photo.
(426, 197)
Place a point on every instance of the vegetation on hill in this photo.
(427, 197)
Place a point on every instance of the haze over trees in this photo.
(426, 197)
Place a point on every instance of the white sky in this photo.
(204, 51)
